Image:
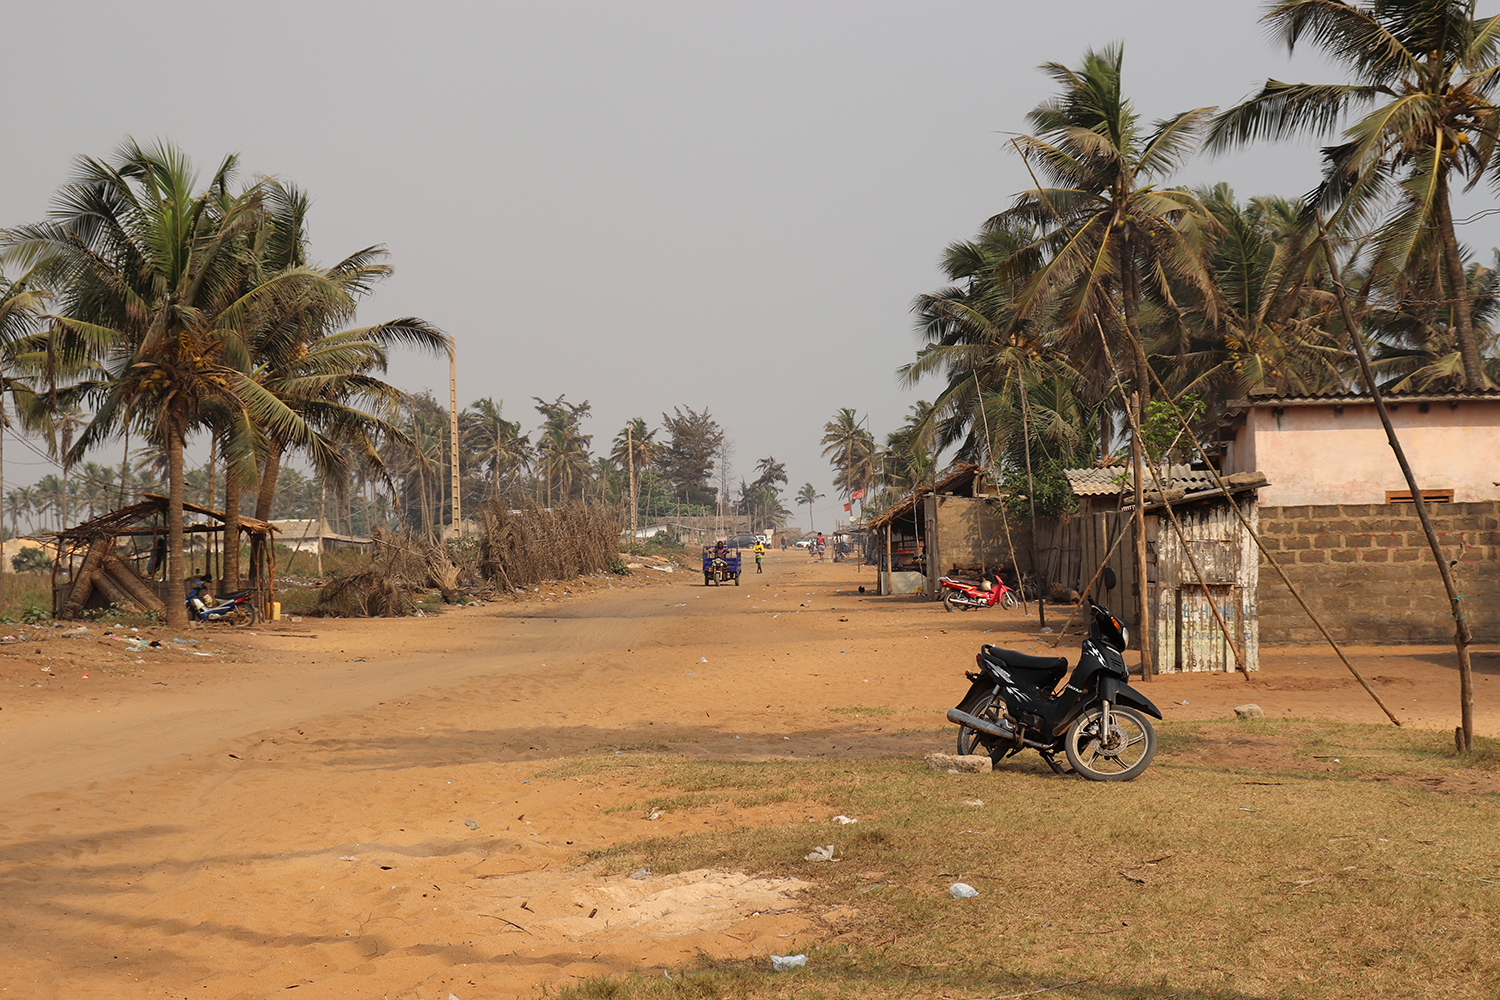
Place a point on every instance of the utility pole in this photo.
(630, 464)
(453, 432)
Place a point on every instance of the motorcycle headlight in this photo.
(1125, 634)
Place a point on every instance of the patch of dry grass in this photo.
(1265, 859)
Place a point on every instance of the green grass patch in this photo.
(1266, 859)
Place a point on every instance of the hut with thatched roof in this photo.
(119, 559)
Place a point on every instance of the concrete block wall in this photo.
(1367, 572)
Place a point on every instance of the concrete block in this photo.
(968, 764)
(1312, 556)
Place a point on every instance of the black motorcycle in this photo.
(1098, 720)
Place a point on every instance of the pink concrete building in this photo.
(1332, 450)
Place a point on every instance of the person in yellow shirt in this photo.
(759, 549)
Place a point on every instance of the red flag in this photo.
(847, 506)
(857, 495)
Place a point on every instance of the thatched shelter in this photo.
(124, 560)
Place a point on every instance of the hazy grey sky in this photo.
(639, 204)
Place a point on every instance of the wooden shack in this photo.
(956, 526)
(119, 559)
(1185, 633)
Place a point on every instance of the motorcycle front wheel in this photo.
(1119, 753)
(1008, 601)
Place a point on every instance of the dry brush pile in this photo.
(399, 567)
(520, 547)
(516, 548)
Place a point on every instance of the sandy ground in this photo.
(364, 808)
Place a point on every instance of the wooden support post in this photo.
(1144, 623)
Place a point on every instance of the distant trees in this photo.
(687, 462)
(808, 495)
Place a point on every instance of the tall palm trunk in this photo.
(231, 568)
(1131, 294)
(267, 494)
(1458, 291)
(176, 608)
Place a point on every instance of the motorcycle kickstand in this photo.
(1052, 763)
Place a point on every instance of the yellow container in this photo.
(276, 611)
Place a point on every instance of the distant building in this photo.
(1331, 449)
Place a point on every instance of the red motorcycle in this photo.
(960, 595)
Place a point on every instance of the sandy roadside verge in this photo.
(361, 808)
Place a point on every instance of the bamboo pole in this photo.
(1464, 735)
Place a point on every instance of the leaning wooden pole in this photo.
(1271, 559)
(1464, 735)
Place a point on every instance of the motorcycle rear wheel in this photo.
(948, 602)
(969, 739)
(245, 614)
(1118, 755)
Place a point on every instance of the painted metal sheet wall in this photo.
(1188, 636)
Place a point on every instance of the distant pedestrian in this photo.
(783, 543)
(759, 550)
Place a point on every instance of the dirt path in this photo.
(360, 808)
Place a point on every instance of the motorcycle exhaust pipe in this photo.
(961, 718)
(1001, 729)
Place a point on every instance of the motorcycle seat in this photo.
(235, 595)
(1053, 666)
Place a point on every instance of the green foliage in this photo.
(1164, 437)
(1054, 494)
(617, 567)
(30, 560)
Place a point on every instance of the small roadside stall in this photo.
(121, 558)
(955, 525)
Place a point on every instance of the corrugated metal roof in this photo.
(1115, 479)
(1355, 397)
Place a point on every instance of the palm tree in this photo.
(1277, 309)
(855, 456)
(21, 304)
(498, 443)
(156, 309)
(976, 343)
(1110, 240)
(1417, 351)
(808, 495)
(642, 440)
(563, 450)
(1424, 73)
(328, 377)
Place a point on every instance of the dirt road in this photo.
(365, 808)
